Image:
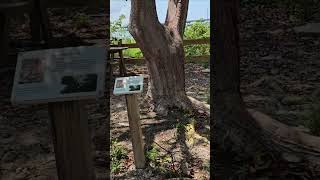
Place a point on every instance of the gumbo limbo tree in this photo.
(162, 47)
(245, 130)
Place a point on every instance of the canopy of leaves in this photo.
(197, 30)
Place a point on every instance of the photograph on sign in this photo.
(80, 83)
(128, 85)
(64, 74)
(31, 71)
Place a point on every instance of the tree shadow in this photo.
(172, 121)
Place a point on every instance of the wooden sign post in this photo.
(135, 130)
(71, 140)
(63, 79)
(130, 86)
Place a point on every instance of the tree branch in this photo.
(143, 11)
(143, 14)
(144, 25)
(177, 15)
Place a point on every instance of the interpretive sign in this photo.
(128, 85)
(64, 74)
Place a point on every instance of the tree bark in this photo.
(229, 109)
(247, 131)
(162, 46)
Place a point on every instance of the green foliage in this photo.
(117, 30)
(153, 156)
(81, 20)
(180, 126)
(197, 30)
(160, 162)
(313, 120)
(118, 154)
(133, 53)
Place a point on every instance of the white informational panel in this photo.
(128, 85)
(64, 74)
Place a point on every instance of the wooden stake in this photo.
(135, 129)
(71, 140)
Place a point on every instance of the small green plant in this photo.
(163, 163)
(153, 156)
(118, 154)
(313, 120)
(81, 21)
(180, 126)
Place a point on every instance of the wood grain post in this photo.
(135, 130)
(71, 140)
(122, 67)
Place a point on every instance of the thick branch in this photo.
(143, 12)
(144, 24)
(177, 15)
(143, 16)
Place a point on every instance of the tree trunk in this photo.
(229, 109)
(247, 132)
(162, 47)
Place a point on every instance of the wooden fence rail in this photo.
(187, 42)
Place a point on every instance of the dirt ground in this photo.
(189, 147)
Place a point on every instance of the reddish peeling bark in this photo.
(162, 47)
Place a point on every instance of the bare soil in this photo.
(189, 147)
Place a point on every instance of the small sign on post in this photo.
(63, 78)
(130, 86)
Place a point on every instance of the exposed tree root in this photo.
(200, 106)
(293, 143)
(162, 106)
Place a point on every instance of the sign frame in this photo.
(48, 82)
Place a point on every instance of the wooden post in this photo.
(35, 22)
(71, 140)
(122, 66)
(45, 23)
(135, 129)
(4, 43)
